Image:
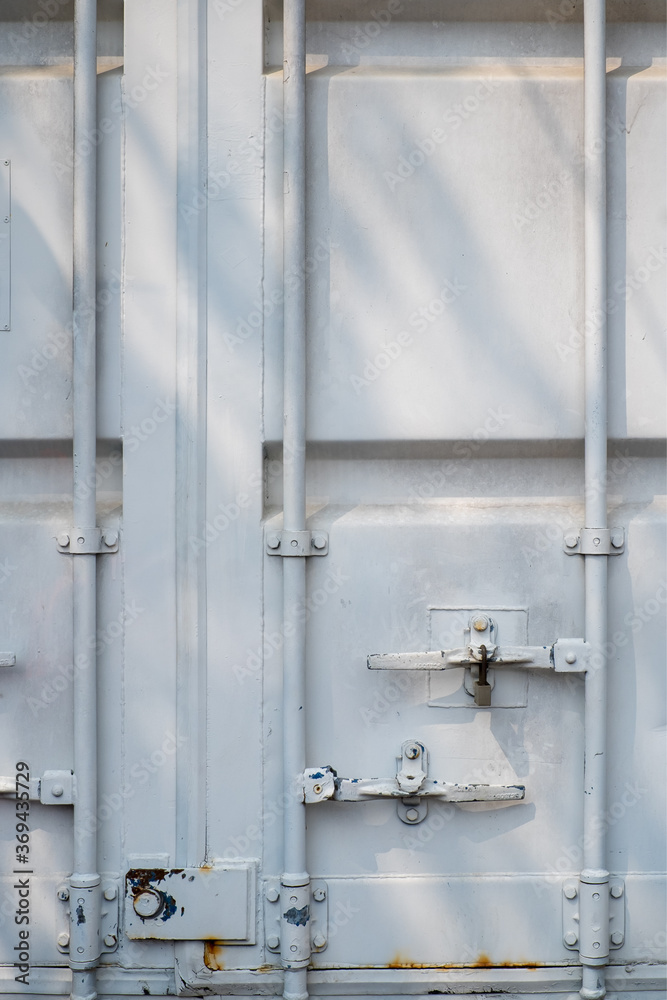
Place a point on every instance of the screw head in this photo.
(319, 941)
(571, 541)
(272, 895)
(110, 941)
(616, 891)
(63, 539)
(273, 541)
(412, 815)
(273, 942)
(480, 623)
(63, 893)
(148, 903)
(412, 752)
(570, 891)
(571, 938)
(63, 940)
(319, 542)
(617, 938)
(319, 894)
(110, 892)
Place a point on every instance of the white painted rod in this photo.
(82, 882)
(595, 475)
(295, 950)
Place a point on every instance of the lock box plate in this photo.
(454, 688)
(211, 903)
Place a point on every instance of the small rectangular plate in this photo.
(199, 904)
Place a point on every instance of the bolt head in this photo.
(319, 941)
(480, 623)
(63, 893)
(616, 891)
(110, 538)
(57, 791)
(63, 539)
(570, 657)
(110, 892)
(319, 542)
(412, 752)
(273, 541)
(63, 940)
(571, 938)
(571, 541)
(110, 941)
(412, 815)
(319, 894)
(617, 539)
(570, 891)
(148, 903)
(273, 942)
(272, 895)
(617, 938)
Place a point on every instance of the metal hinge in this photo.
(54, 788)
(87, 541)
(410, 784)
(297, 543)
(595, 542)
(109, 913)
(318, 914)
(571, 921)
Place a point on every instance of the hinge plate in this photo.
(616, 889)
(297, 543)
(595, 542)
(209, 903)
(319, 914)
(108, 916)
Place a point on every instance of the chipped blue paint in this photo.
(298, 917)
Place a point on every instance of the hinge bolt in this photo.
(63, 539)
(272, 895)
(570, 891)
(571, 938)
(110, 941)
(481, 623)
(273, 541)
(412, 815)
(571, 541)
(412, 752)
(63, 893)
(319, 541)
(617, 539)
(319, 894)
(616, 891)
(63, 940)
(110, 892)
(110, 538)
(617, 938)
(570, 657)
(319, 941)
(273, 942)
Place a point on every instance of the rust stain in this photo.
(401, 961)
(483, 962)
(267, 968)
(213, 952)
(206, 867)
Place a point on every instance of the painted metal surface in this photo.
(432, 252)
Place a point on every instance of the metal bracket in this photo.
(319, 914)
(571, 902)
(87, 541)
(7, 659)
(297, 543)
(595, 542)
(108, 917)
(208, 903)
(54, 788)
(410, 783)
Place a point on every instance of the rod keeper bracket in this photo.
(595, 542)
(87, 541)
(297, 543)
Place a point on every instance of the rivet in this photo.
(317, 789)
(81, 539)
(292, 947)
(273, 941)
(294, 543)
(57, 791)
(272, 895)
(571, 938)
(596, 895)
(80, 951)
(570, 891)
(596, 541)
(596, 944)
(570, 657)
(63, 940)
(293, 899)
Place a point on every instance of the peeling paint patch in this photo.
(298, 917)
